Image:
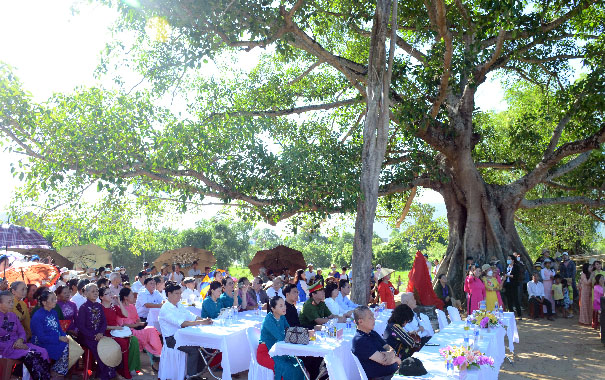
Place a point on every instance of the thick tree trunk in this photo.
(481, 226)
(375, 137)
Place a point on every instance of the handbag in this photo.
(297, 335)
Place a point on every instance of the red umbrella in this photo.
(32, 273)
(276, 259)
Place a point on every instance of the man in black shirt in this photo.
(377, 358)
(291, 293)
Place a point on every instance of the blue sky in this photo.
(54, 50)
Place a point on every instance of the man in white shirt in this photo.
(79, 299)
(189, 289)
(275, 289)
(310, 274)
(535, 289)
(173, 316)
(415, 325)
(148, 298)
(342, 298)
(194, 271)
(139, 284)
(176, 275)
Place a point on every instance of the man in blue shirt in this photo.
(376, 357)
(343, 301)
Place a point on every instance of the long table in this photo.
(230, 340)
(491, 344)
(336, 353)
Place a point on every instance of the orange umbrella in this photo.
(276, 259)
(32, 273)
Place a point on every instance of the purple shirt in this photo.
(11, 330)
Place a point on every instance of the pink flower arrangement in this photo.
(463, 358)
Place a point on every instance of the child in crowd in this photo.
(596, 303)
(557, 295)
(567, 297)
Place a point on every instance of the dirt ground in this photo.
(556, 350)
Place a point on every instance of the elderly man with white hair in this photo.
(115, 284)
(415, 326)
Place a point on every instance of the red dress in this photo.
(111, 314)
(387, 292)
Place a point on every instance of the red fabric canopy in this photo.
(420, 283)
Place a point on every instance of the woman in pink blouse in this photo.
(149, 337)
(475, 290)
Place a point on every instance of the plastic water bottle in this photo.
(467, 339)
(476, 337)
(500, 312)
(449, 367)
(259, 310)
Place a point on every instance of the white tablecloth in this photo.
(230, 340)
(512, 333)
(491, 344)
(337, 354)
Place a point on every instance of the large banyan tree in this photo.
(351, 101)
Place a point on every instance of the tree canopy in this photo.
(285, 138)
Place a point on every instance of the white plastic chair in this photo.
(442, 319)
(362, 372)
(256, 371)
(173, 363)
(426, 323)
(454, 314)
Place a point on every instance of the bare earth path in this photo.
(556, 350)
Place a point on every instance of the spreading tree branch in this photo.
(545, 28)
(287, 111)
(579, 200)
(444, 32)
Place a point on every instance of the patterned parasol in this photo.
(32, 273)
(276, 259)
(13, 236)
(186, 256)
(43, 253)
(86, 256)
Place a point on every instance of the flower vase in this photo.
(468, 373)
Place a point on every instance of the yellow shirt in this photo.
(22, 312)
(557, 291)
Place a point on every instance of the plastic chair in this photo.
(362, 372)
(7, 366)
(454, 314)
(426, 323)
(256, 371)
(173, 363)
(442, 319)
(89, 362)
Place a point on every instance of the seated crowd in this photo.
(103, 313)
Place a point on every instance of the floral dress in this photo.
(34, 358)
(46, 332)
(91, 321)
(70, 313)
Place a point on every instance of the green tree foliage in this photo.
(243, 139)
